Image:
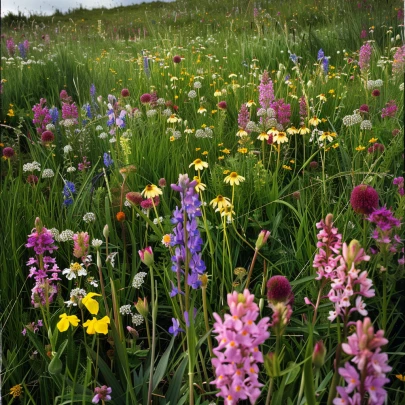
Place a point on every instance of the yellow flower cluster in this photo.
(94, 325)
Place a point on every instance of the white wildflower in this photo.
(137, 319)
(89, 217)
(66, 235)
(96, 243)
(125, 310)
(139, 279)
(48, 173)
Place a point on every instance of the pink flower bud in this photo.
(262, 239)
(146, 256)
(318, 356)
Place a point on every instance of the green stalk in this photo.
(154, 313)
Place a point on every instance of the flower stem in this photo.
(154, 312)
(251, 268)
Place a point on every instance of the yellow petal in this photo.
(73, 320)
(63, 324)
(90, 326)
(92, 305)
(101, 326)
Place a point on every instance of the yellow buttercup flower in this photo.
(151, 191)
(65, 321)
(234, 179)
(226, 151)
(400, 377)
(97, 325)
(360, 148)
(243, 150)
(92, 305)
(373, 140)
(199, 164)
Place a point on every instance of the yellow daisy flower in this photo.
(151, 191)
(16, 391)
(281, 137)
(172, 119)
(304, 130)
(221, 202)
(234, 179)
(314, 121)
(273, 131)
(199, 186)
(199, 164)
(292, 131)
(202, 110)
(263, 136)
(241, 133)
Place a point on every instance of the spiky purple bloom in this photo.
(107, 160)
(41, 116)
(54, 114)
(364, 199)
(283, 111)
(175, 329)
(398, 65)
(398, 181)
(186, 236)
(389, 110)
(303, 107)
(93, 91)
(22, 50)
(321, 54)
(368, 375)
(266, 91)
(365, 56)
(243, 116)
(325, 65)
(10, 45)
(45, 289)
(146, 66)
(237, 354)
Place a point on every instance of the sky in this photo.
(48, 7)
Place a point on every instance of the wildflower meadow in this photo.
(202, 202)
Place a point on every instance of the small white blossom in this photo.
(125, 310)
(137, 319)
(75, 270)
(139, 279)
(192, 94)
(75, 295)
(55, 233)
(158, 220)
(197, 85)
(89, 217)
(127, 204)
(30, 167)
(99, 128)
(113, 139)
(161, 101)
(103, 135)
(366, 124)
(401, 87)
(50, 127)
(96, 243)
(66, 235)
(71, 169)
(151, 113)
(67, 149)
(48, 173)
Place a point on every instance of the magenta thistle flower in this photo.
(145, 98)
(364, 199)
(102, 394)
(8, 152)
(237, 353)
(134, 197)
(222, 105)
(125, 93)
(47, 137)
(376, 148)
(176, 59)
(279, 290)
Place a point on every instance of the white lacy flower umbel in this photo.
(139, 279)
(75, 270)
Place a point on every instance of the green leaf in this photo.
(309, 387)
(56, 365)
(173, 392)
(161, 367)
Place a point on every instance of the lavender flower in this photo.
(185, 218)
(102, 394)
(243, 116)
(389, 110)
(399, 181)
(22, 50)
(41, 116)
(107, 160)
